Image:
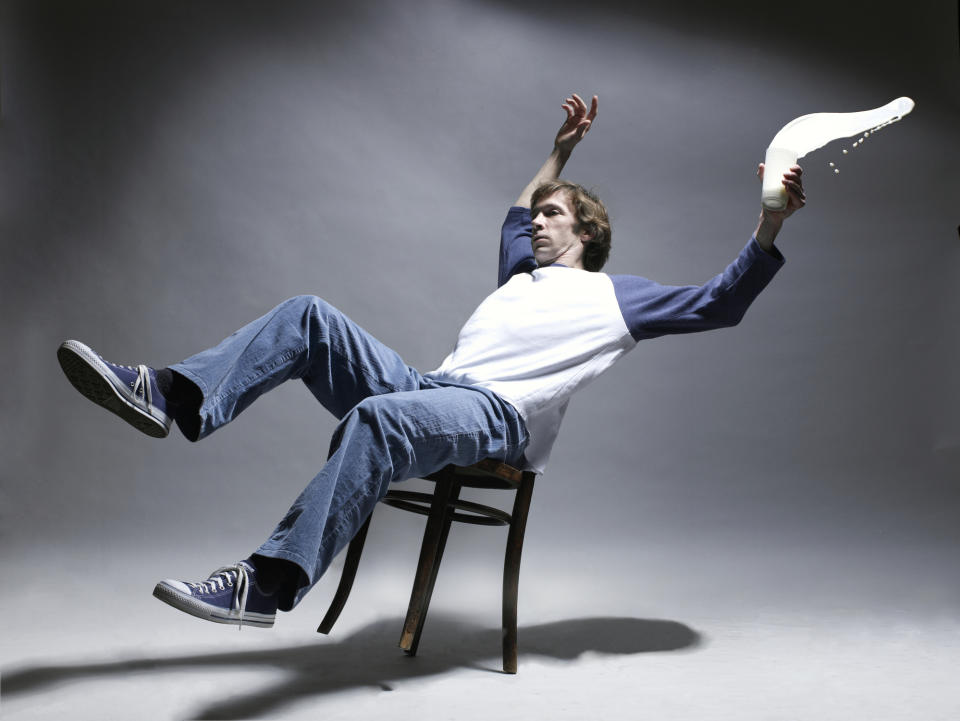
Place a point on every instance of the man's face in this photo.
(555, 238)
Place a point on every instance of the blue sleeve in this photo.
(516, 253)
(651, 309)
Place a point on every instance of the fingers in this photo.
(793, 182)
(593, 109)
(573, 109)
(796, 190)
(578, 120)
(792, 177)
(574, 105)
(582, 106)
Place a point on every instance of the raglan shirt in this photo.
(547, 332)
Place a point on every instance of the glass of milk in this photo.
(778, 161)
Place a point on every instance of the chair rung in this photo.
(477, 513)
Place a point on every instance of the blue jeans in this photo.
(394, 423)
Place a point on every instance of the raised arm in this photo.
(578, 122)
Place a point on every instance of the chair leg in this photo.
(511, 571)
(441, 544)
(433, 539)
(346, 578)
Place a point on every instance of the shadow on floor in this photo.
(365, 659)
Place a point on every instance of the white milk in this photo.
(809, 132)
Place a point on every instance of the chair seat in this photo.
(483, 471)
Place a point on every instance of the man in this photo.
(554, 323)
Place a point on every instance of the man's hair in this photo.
(591, 217)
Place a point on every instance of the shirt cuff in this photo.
(774, 256)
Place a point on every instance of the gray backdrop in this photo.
(170, 170)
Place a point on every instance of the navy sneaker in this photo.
(230, 595)
(131, 393)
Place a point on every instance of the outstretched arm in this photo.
(772, 220)
(571, 132)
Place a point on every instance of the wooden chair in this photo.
(442, 507)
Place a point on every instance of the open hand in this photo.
(577, 123)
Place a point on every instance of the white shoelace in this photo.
(222, 578)
(141, 386)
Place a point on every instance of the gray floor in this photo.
(679, 632)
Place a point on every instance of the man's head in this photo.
(570, 226)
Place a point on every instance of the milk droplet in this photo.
(831, 165)
(836, 171)
(844, 151)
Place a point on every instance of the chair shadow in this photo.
(363, 659)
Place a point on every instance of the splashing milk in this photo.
(809, 132)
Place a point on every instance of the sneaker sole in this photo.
(89, 375)
(199, 609)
